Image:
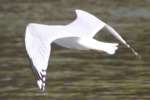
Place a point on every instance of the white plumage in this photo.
(78, 35)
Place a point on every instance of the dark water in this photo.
(74, 74)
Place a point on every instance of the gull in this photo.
(79, 34)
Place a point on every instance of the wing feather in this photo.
(37, 41)
(38, 51)
(85, 24)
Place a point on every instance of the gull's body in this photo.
(78, 35)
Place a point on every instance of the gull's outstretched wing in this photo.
(116, 34)
(37, 41)
(38, 51)
(85, 24)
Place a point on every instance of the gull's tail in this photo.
(93, 44)
(110, 48)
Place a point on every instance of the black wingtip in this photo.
(39, 76)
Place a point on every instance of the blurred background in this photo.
(75, 74)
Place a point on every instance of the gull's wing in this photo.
(38, 51)
(116, 34)
(37, 41)
(85, 24)
(88, 25)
